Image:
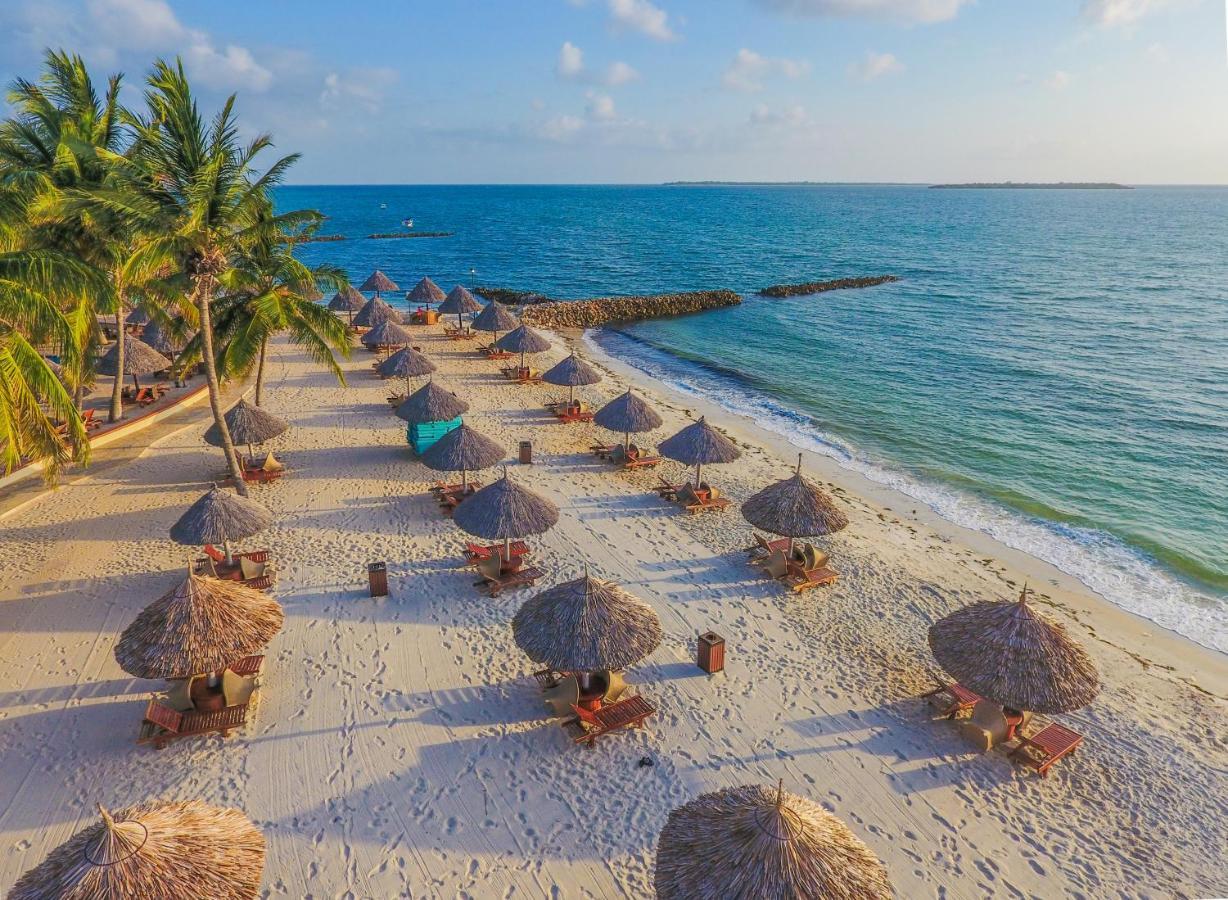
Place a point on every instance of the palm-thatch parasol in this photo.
(139, 359)
(347, 300)
(406, 363)
(137, 316)
(1009, 653)
(794, 507)
(627, 413)
(503, 511)
(312, 293)
(463, 449)
(377, 281)
(220, 517)
(425, 292)
(460, 301)
(431, 403)
(199, 627)
(495, 318)
(572, 372)
(374, 312)
(248, 424)
(753, 841)
(697, 444)
(522, 340)
(154, 851)
(386, 334)
(161, 339)
(586, 625)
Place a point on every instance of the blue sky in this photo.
(651, 90)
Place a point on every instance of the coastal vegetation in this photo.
(105, 209)
(818, 287)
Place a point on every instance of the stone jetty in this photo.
(602, 310)
(818, 287)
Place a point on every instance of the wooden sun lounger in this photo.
(259, 475)
(667, 491)
(508, 580)
(163, 724)
(567, 415)
(586, 726)
(90, 421)
(701, 503)
(800, 579)
(953, 699)
(494, 353)
(218, 558)
(1047, 746)
(641, 462)
(248, 665)
(763, 547)
(475, 552)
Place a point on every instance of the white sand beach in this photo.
(400, 748)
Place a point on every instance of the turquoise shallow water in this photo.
(1052, 369)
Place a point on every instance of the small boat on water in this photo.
(408, 223)
(383, 206)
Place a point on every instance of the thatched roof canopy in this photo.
(586, 625)
(1009, 653)
(463, 449)
(220, 516)
(387, 333)
(312, 292)
(459, 300)
(627, 413)
(763, 842)
(348, 299)
(431, 403)
(139, 358)
(202, 625)
(495, 317)
(153, 851)
(523, 339)
(160, 338)
(699, 444)
(248, 424)
(378, 281)
(406, 363)
(426, 291)
(374, 312)
(572, 372)
(795, 507)
(505, 510)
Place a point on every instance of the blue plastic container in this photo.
(424, 435)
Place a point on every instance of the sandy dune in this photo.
(400, 749)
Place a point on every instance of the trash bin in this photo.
(711, 652)
(377, 574)
(526, 453)
(431, 316)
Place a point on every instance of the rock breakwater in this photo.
(818, 287)
(603, 310)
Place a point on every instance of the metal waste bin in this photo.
(526, 453)
(711, 652)
(377, 574)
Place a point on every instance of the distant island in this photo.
(1050, 186)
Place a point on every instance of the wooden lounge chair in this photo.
(248, 665)
(475, 552)
(586, 726)
(697, 501)
(260, 474)
(496, 353)
(90, 421)
(763, 547)
(667, 491)
(495, 580)
(258, 575)
(163, 724)
(952, 699)
(800, 579)
(1047, 746)
(569, 414)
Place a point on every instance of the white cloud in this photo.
(1058, 81)
(600, 107)
(362, 88)
(619, 73)
(231, 66)
(641, 16)
(875, 65)
(1119, 12)
(135, 23)
(895, 10)
(792, 116)
(1157, 53)
(570, 67)
(560, 128)
(748, 69)
(571, 61)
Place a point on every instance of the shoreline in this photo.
(1165, 648)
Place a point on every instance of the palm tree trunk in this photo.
(204, 288)
(117, 389)
(264, 345)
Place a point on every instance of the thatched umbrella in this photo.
(377, 281)
(1009, 653)
(425, 292)
(698, 444)
(248, 424)
(385, 334)
(347, 300)
(495, 318)
(374, 312)
(406, 363)
(153, 851)
(463, 449)
(571, 373)
(794, 507)
(220, 517)
(586, 625)
(627, 413)
(313, 293)
(431, 403)
(160, 338)
(199, 627)
(756, 841)
(139, 359)
(522, 340)
(460, 301)
(503, 511)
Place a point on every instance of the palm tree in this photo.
(194, 188)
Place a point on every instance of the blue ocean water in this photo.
(1052, 368)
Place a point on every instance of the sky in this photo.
(642, 91)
